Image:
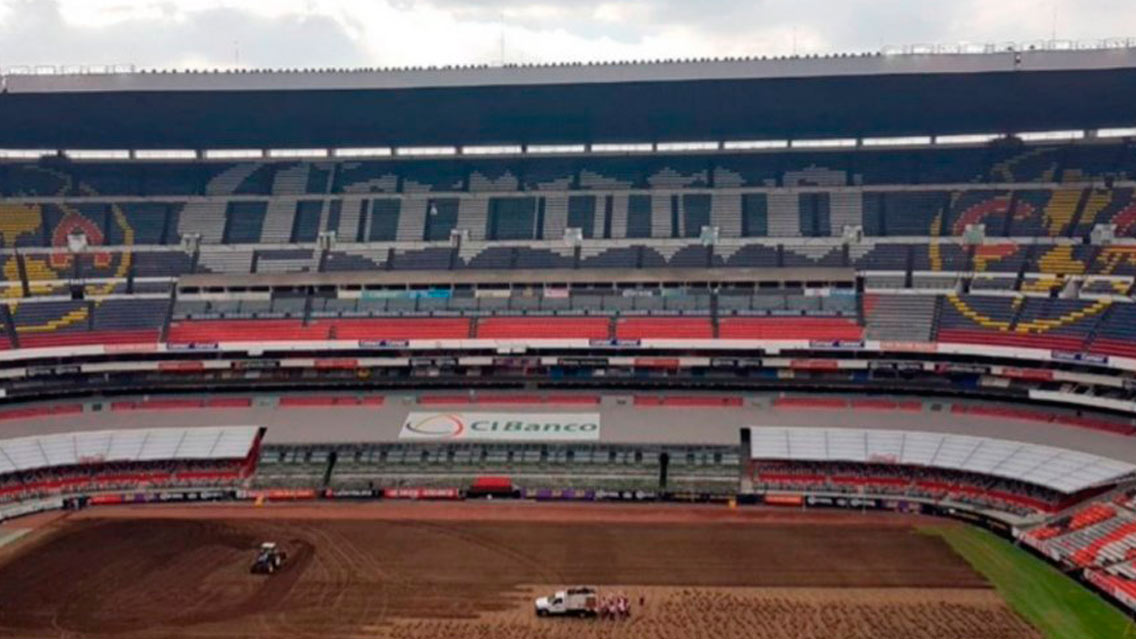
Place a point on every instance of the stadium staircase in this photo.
(1078, 213)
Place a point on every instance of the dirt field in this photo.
(470, 571)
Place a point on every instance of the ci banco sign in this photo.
(502, 427)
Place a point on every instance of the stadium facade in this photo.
(681, 254)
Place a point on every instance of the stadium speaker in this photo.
(664, 462)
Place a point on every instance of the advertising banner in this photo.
(279, 494)
(617, 343)
(384, 343)
(656, 362)
(582, 361)
(908, 347)
(349, 493)
(1079, 357)
(422, 493)
(434, 293)
(785, 500)
(510, 427)
(836, 345)
(19, 509)
(193, 346)
(181, 367)
(336, 363)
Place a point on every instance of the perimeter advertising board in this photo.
(502, 427)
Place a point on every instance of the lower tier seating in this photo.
(47, 340)
(289, 330)
(1105, 326)
(664, 327)
(812, 328)
(543, 327)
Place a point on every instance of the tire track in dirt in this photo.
(163, 578)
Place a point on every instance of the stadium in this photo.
(782, 347)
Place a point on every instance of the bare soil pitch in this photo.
(182, 573)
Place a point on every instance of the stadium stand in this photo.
(757, 276)
(95, 461)
(1006, 475)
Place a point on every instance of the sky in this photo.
(399, 33)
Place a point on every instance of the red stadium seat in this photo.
(784, 328)
(1087, 556)
(543, 328)
(1113, 347)
(427, 400)
(664, 328)
(47, 340)
(244, 331)
(396, 329)
(319, 401)
(1043, 341)
(41, 411)
(585, 400)
(832, 403)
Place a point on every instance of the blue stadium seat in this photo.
(753, 256)
(305, 225)
(596, 257)
(419, 177)
(760, 169)
(126, 315)
(423, 259)
(979, 206)
(903, 213)
(244, 222)
(172, 179)
(441, 219)
(512, 218)
(384, 216)
(542, 258)
(952, 166)
(880, 257)
(160, 263)
(365, 177)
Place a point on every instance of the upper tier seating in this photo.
(1015, 190)
(915, 212)
(770, 209)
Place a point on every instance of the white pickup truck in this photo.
(581, 601)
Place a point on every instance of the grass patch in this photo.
(1055, 604)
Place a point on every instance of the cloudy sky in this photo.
(363, 33)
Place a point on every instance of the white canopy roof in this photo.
(1062, 470)
(137, 445)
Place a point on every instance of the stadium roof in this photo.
(1059, 469)
(105, 446)
(808, 97)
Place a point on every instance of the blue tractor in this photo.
(269, 559)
